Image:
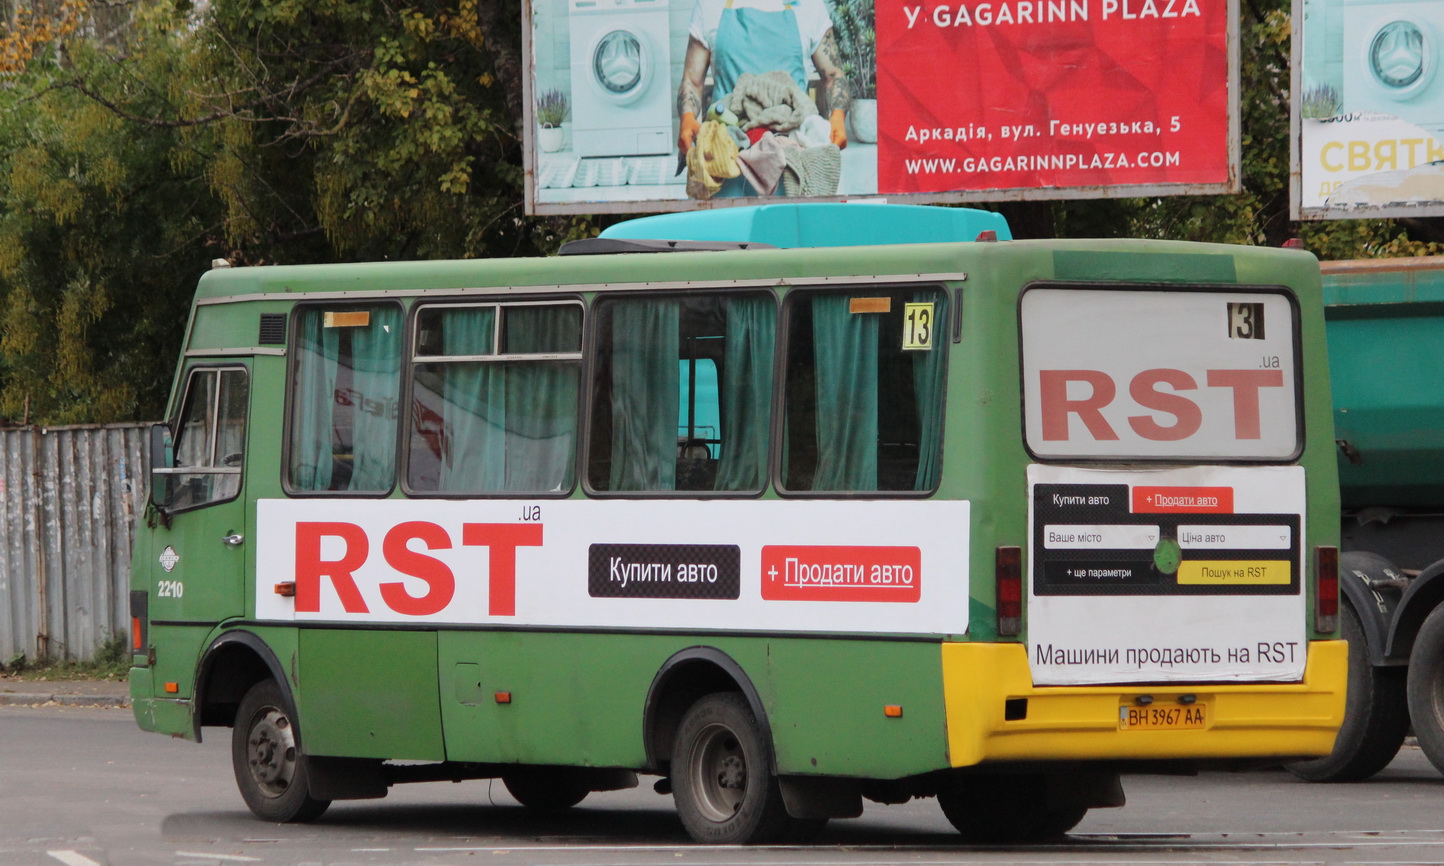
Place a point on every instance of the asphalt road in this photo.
(82, 786)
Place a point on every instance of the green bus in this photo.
(791, 506)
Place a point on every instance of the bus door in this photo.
(197, 577)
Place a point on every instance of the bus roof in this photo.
(818, 225)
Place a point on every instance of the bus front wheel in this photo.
(1007, 808)
(722, 781)
(270, 769)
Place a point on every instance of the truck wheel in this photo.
(1426, 687)
(1006, 809)
(721, 780)
(1376, 716)
(546, 790)
(270, 769)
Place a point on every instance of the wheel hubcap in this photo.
(271, 752)
(719, 773)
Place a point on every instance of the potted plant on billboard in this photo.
(854, 26)
(551, 110)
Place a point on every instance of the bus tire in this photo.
(546, 790)
(1376, 715)
(1426, 687)
(1006, 808)
(270, 769)
(722, 783)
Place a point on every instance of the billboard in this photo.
(1368, 109)
(654, 105)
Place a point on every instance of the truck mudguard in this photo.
(1359, 574)
(1423, 595)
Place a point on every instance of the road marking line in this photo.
(236, 858)
(72, 858)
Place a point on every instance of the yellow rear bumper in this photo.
(1265, 720)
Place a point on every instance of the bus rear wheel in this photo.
(721, 777)
(270, 769)
(1006, 809)
(1376, 715)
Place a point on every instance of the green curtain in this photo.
(318, 357)
(747, 393)
(376, 372)
(845, 349)
(541, 404)
(645, 398)
(473, 445)
(928, 388)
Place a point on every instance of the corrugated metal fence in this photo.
(69, 499)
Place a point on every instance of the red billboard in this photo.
(913, 101)
(1031, 94)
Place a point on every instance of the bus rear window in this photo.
(1160, 374)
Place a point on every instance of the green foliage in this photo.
(97, 232)
(263, 131)
(110, 662)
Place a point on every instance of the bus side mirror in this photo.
(162, 456)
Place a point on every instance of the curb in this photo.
(12, 699)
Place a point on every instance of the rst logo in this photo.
(1159, 373)
(330, 553)
(1168, 412)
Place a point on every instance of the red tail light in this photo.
(1326, 588)
(1009, 569)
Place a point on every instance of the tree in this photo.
(101, 231)
(278, 132)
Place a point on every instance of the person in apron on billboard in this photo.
(733, 37)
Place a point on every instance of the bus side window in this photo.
(494, 398)
(863, 407)
(210, 441)
(682, 393)
(345, 393)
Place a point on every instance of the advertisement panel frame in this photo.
(535, 207)
(1297, 210)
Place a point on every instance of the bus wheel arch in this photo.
(230, 667)
(685, 678)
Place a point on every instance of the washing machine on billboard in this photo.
(621, 69)
(1392, 55)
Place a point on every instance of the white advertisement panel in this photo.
(772, 566)
(1218, 596)
(1369, 108)
(1169, 374)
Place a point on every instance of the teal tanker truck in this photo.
(1385, 326)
